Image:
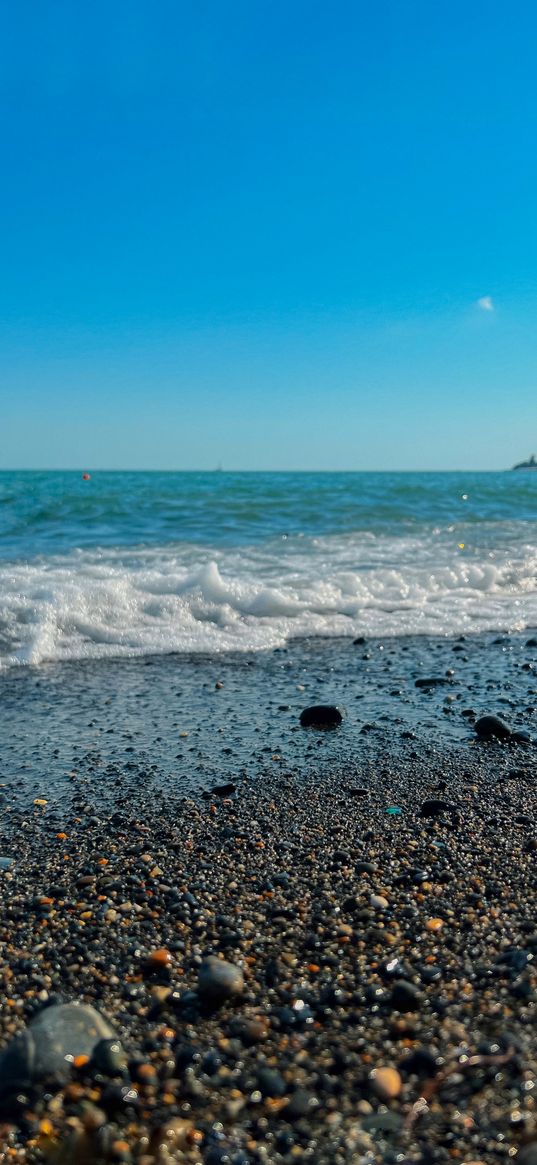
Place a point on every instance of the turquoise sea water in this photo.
(142, 563)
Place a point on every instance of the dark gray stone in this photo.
(218, 980)
(405, 996)
(492, 728)
(322, 716)
(46, 1049)
(433, 808)
(223, 790)
(270, 1082)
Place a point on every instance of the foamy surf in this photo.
(95, 604)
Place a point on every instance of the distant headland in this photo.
(531, 463)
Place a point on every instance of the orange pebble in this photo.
(434, 924)
(386, 1083)
(81, 1061)
(61, 836)
(159, 959)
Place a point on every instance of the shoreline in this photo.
(194, 720)
(400, 943)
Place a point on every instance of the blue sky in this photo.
(268, 234)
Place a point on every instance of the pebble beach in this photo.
(298, 943)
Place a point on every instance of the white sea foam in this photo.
(183, 598)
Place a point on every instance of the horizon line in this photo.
(220, 469)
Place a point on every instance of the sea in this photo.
(129, 564)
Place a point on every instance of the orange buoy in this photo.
(86, 477)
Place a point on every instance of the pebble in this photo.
(434, 924)
(250, 1031)
(159, 960)
(301, 1104)
(492, 727)
(219, 980)
(270, 1082)
(386, 1083)
(405, 996)
(322, 716)
(223, 790)
(46, 1049)
(433, 807)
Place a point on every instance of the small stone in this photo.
(420, 1062)
(432, 682)
(176, 1134)
(301, 1104)
(158, 961)
(383, 1121)
(250, 1031)
(223, 790)
(386, 1082)
(491, 727)
(434, 924)
(219, 980)
(270, 1082)
(405, 996)
(433, 807)
(322, 716)
(379, 902)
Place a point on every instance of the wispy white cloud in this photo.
(486, 303)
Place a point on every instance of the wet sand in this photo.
(384, 948)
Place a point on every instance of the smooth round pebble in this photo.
(219, 980)
(321, 716)
(158, 960)
(386, 1083)
(47, 1048)
(492, 727)
(405, 996)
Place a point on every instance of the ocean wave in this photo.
(184, 598)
